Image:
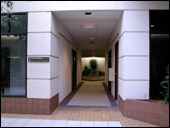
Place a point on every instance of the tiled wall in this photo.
(29, 105)
(145, 111)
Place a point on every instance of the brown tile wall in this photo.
(29, 105)
(149, 112)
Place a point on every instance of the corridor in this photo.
(90, 94)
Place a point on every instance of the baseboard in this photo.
(65, 98)
(69, 94)
(113, 96)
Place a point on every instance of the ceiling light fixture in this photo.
(152, 26)
(87, 13)
(91, 38)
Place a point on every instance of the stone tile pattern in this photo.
(83, 114)
(153, 113)
(29, 105)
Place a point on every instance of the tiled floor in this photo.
(110, 116)
(16, 122)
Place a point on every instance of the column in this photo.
(42, 77)
(134, 56)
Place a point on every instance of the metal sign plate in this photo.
(38, 59)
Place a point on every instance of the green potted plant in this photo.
(101, 73)
(93, 65)
(165, 86)
(86, 71)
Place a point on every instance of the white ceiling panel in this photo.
(95, 14)
(102, 23)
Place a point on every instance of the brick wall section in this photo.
(54, 102)
(145, 111)
(29, 105)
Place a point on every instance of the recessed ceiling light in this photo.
(152, 26)
(87, 13)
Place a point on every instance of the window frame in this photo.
(26, 34)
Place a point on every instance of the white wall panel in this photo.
(38, 89)
(54, 26)
(54, 67)
(136, 21)
(122, 46)
(121, 67)
(134, 89)
(54, 87)
(39, 44)
(65, 69)
(136, 68)
(39, 22)
(132, 43)
(40, 70)
(54, 46)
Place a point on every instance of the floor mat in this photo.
(90, 94)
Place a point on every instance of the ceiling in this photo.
(101, 23)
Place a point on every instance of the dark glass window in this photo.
(158, 62)
(12, 23)
(18, 24)
(13, 55)
(159, 51)
(4, 24)
(159, 22)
